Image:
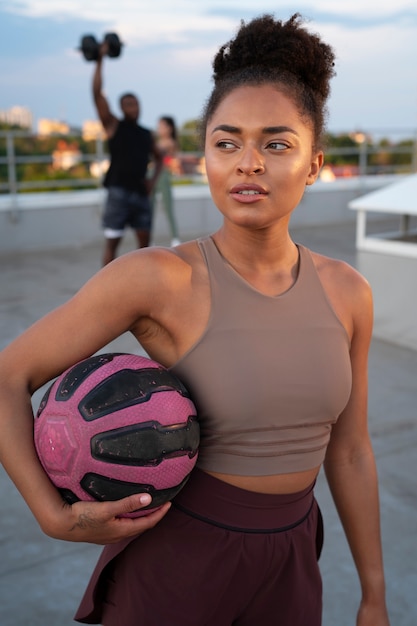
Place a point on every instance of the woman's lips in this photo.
(248, 193)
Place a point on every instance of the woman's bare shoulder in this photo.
(340, 274)
(348, 291)
(156, 267)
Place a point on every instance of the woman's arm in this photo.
(158, 162)
(108, 305)
(351, 471)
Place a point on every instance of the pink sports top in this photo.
(269, 376)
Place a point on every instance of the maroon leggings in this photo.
(222, 556)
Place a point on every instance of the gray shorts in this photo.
(125, 207)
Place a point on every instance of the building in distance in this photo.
(17, 116)
(92, 130)
(52, 127)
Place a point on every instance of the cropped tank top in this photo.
(269, 376)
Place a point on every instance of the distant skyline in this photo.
(169, 47)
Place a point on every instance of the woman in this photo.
(167, 143)
(272, 341)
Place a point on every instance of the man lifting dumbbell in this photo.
(131, 148)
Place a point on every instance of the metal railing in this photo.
(14, 178)
(12, 160)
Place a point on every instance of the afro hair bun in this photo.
(266, 44)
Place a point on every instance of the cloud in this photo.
(187, 21)
(375, 81)
(370, 8)
(108, 11)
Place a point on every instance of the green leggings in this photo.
(164, 187)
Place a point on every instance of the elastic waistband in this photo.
(216, 502)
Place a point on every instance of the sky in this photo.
(169, 46)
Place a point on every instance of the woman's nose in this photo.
(251, 162)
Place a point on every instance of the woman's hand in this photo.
(101, 522)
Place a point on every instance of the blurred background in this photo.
(45, 83)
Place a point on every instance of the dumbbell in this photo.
(90, 46)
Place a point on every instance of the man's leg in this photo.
(110, 249)
(141, 218)
(143, 238)
(115, 216)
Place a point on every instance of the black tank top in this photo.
(130, 152)
(269, 376)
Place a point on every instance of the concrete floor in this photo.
(42, 580)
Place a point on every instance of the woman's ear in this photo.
(315, 167)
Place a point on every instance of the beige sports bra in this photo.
(269, 376)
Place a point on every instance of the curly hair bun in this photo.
(266, 45)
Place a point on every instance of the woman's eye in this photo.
(225, 144)
(277, 145)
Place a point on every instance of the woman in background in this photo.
(167, 143)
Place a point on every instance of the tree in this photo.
(189, 136)
(345, 147)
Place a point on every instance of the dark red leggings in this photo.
(222, 556)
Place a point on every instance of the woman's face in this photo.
(259, 156)
(164, 129)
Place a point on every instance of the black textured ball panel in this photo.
(148, 443)
(127, 388)
(75, 377)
